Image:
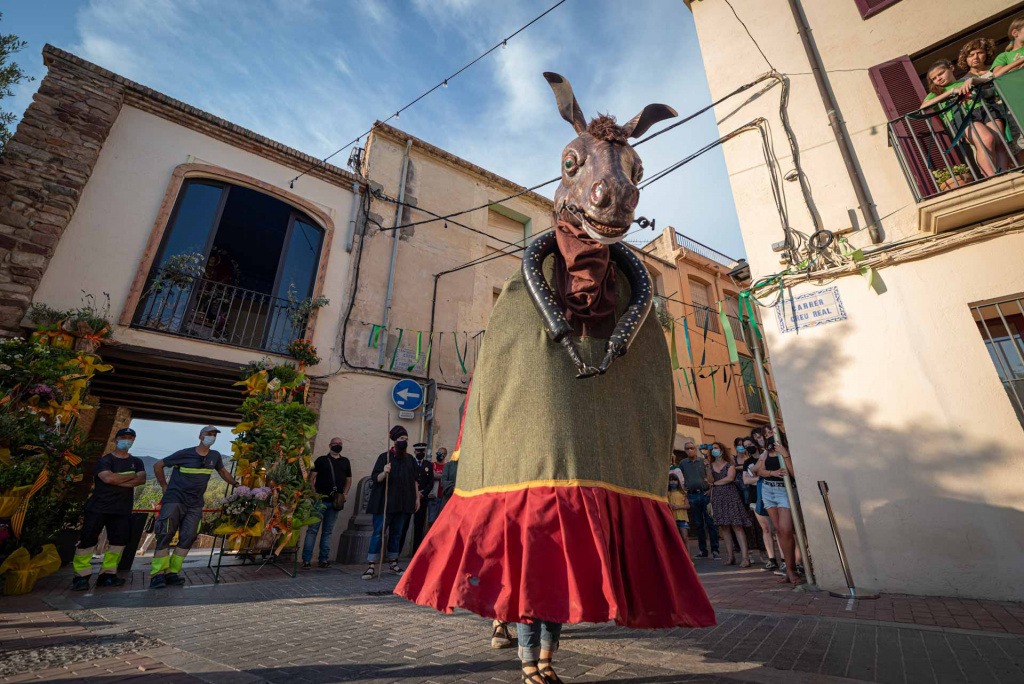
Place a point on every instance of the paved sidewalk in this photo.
(330, 626)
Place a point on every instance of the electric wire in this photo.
(442, 84)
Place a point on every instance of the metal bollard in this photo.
(823, 488)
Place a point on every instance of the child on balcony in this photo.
(1013, 57)
(985, 130)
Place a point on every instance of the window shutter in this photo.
(900, 90)
(871, 7)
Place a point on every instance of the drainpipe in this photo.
(394, 252)
(352, 217)
(794, 505)
(832, 109)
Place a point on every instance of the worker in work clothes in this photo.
(116, 476)
(181, 508)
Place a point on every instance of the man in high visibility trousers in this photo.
(116, 476)
(181, 508)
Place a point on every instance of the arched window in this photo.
(234, 266)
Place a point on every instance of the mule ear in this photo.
(568, 107)
(652, 114)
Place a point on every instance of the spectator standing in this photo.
(772, 464)
(331, 477)
(424, 483)
(448, 475)
(679, 504)
(696, 481)
(727, 504)
(434, 503)
(753, 500)
(115, 478)
(393, 473)
(181, 508)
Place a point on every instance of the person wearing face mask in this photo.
(448, 476)
(424, 483)
(181, 508)
(727, 504)
(752, 483)
(435, 501)
(679, 504)
(331, 477)
(115, 477)
(394, 472)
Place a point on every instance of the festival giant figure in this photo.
(560, 511)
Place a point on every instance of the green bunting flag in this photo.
(674, 353)
(462, 356)
(730, 339)
(374, 334)
(686, 334)
(394, 356)
(419, 350)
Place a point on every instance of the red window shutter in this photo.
(871, 7)
(900, 90)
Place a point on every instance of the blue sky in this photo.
(313, 74)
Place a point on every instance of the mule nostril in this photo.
(599, 194)
(632, 198)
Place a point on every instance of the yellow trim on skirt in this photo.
(560, 483)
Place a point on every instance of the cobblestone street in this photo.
(330, 626)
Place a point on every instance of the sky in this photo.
(314, 74)
(157, 439)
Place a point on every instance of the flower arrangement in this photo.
(48, 322)
(90, 322)
(237, 506)
(304, 352)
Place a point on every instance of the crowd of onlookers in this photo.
(961, 95)
(737, 496)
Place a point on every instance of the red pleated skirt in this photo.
(559, 553)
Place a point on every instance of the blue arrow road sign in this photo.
(407, 395)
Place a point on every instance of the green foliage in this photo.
(46, 317)
(943, 175)
(304, 309)
(92, 317)
(661, 311)
(179, 270)
(285, 373)
(10, 75)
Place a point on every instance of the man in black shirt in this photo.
(116, 476)
(396, 471)
(424, 483)
(181, 508)
(331, 477)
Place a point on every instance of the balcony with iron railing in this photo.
(211, 311)
(703, 250)
(939, 152)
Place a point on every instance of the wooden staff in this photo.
(384, 525)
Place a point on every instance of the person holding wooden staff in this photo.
(394, 498)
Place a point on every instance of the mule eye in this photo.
(569, 164)
(638, 173)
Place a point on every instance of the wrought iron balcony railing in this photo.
(703, 250)
(932, 143)
(217, 312)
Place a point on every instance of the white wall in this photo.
(899, 408)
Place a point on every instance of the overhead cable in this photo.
(442, 84)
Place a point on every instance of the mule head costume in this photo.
(594, 207)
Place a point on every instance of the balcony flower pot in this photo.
(951, 184)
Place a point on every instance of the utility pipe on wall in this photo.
(832, 109)
(353, 215)
(394, 252)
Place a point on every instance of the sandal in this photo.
(500, 637)
(533, 677)
(544, 666)
(323, 564)
(396, 569)
(772, 565)
(370, 572)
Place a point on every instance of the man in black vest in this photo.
(331, 477)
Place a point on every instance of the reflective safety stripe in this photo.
(112, 558)
(196, 471)
(81, 562)
(175, 563)
(160, 564)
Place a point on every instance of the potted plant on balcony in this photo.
(304, 352)
(947, 181)
(90, 323)
(48, 321)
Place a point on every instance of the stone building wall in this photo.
(43, 173)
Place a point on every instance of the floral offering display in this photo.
(273, 455)
(304, 352)
(43, 389)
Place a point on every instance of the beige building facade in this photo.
(899, 384)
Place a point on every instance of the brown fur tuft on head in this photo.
(605, 128)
